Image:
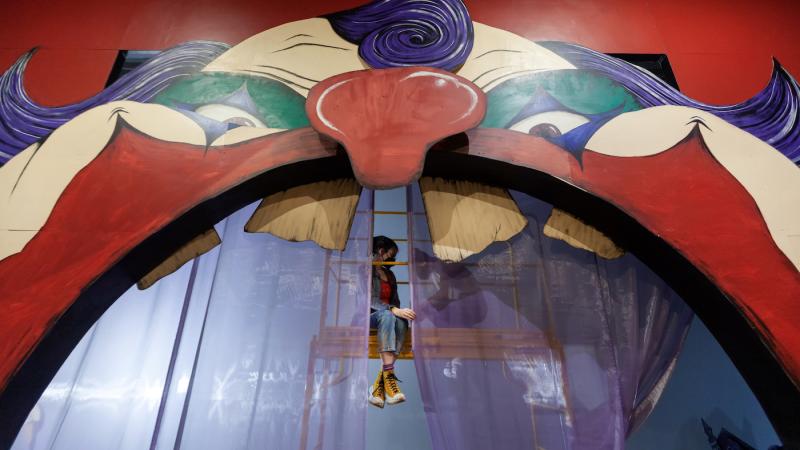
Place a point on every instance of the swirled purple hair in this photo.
(771, 115)
(402, 33)
(23, 121)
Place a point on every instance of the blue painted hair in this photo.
(23, 121)
(402, 33)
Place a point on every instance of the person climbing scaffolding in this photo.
(389, 319)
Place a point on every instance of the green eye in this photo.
(229, 114)
(576, 90)
(562, 121)
(274, 105)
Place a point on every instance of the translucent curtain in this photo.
(535, 344)
(107, 393)
(266, 338)
(261, 343)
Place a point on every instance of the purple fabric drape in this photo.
(261, 343)
(535, 344)
(282, 317)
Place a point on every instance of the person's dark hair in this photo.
(384, 243)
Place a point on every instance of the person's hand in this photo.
(404, 313)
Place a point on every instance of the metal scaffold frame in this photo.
(345, 342)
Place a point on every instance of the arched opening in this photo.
(753, 359)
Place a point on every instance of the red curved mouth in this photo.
(138, 184)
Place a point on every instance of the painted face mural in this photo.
(97, 194)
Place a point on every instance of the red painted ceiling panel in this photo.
(609, 26)
(727, 27)
(64, 23)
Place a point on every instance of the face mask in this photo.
(389, 260)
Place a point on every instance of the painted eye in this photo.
(549, 124)
(230, 114)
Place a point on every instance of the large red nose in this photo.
(387, 119)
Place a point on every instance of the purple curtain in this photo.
(535, 344)
(261, 343)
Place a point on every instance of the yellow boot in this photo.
(377, 394)
(393, 394)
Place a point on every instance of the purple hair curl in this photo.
(402, 33)
(771, 115)
(23, 122)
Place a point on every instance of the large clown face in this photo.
(284, 108)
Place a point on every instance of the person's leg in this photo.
(381, 321)
(377, 395)
(387, 346)
(400, 329)
(390, 380)
(387, 338)
(393, 394)
(386, 322)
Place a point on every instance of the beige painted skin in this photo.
(770, 178)
(497, 55)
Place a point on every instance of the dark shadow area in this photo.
(655, 63)
(126, 61)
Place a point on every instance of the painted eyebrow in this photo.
(510, 74)
(287, 71)
(488, 72)
(297, 35)
(277, 78)
(312, 45)
(498, 50)
(24, 168)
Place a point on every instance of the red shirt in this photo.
(386, 292)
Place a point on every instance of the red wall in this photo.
(720, 50)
